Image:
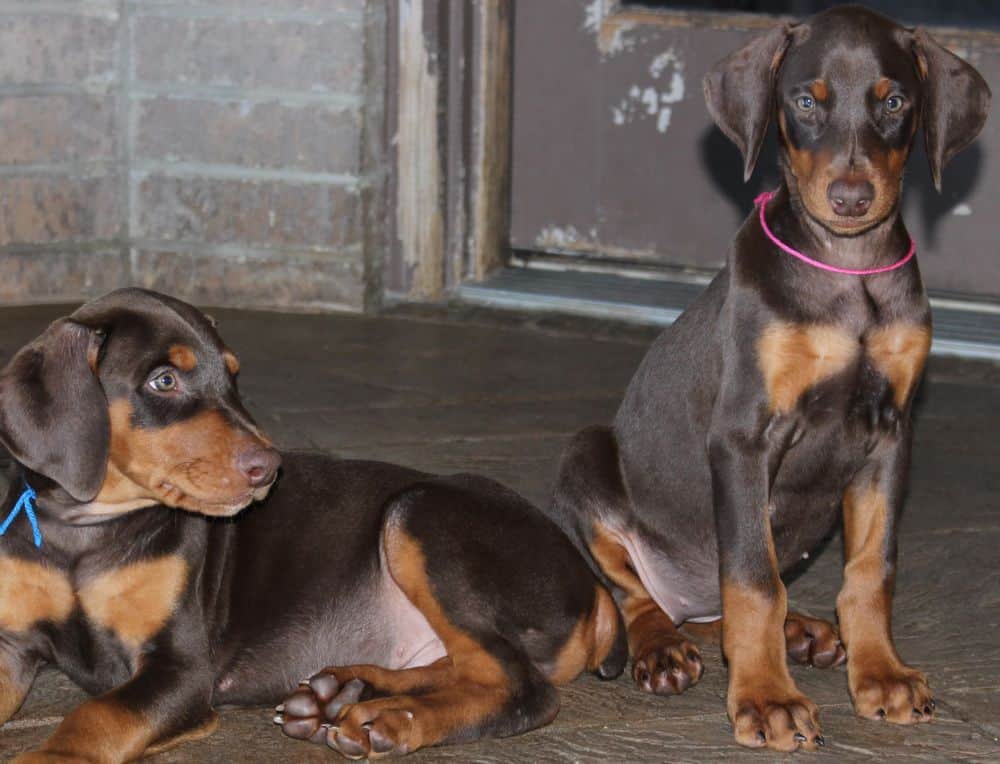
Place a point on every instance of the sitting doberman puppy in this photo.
(781, 398)
(453, 603)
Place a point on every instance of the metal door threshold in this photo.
(962, 327)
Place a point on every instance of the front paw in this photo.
(775, 718)
(896, 694)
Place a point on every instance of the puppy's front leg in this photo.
(882, 686)
(765, 706)
(167, 700)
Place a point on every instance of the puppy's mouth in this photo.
(169, 495)
(173, 496)
(845, 226)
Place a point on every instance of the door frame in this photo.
(449, 118)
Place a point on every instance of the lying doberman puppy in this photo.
(454, 605)
(781, 398)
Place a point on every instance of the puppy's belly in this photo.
(412, 640)
(686, 590)
(373, 624)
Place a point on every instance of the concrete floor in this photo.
(500, 395)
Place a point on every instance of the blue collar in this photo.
(26, 502)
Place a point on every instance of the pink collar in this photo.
(761, 202)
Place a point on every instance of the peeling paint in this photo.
(593, 15)
(572, 241)
(654, 101)
(611, 38)
(566, 238)
(613, 24)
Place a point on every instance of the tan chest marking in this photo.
(137, 600)
(31, 593)
(796, 357)
(899, 351)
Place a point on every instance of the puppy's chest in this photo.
(832, 370)
(117, 609)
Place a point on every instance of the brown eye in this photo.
(893, 104)
(805, 103)
(165, 382)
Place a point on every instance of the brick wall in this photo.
(226, 151)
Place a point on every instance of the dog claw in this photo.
(820, 741)
(279, 719)
(280, 707)
(799, 737)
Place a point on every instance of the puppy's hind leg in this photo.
(486, 686)
(591, 499)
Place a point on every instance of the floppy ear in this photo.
(53, 412)
(956, 101)
(739, 91)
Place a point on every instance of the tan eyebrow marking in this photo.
(232, 362)
(182, 357)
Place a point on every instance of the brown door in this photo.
(615, 158)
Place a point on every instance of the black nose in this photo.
(259, 464)
(851, 198)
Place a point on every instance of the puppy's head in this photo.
(848, 89)
(132, 401)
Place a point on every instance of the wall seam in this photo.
(126, 134)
